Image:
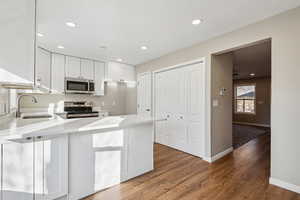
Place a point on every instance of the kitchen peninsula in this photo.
(72, 158)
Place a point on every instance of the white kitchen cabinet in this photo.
(43, 69)
(97, 161)
(58, 74)
(140, 150)
(99, 78)
(120, 72)
(51, 168)
(180, 103)
(101, 160)
(18, 171)
(72, 67)
(87, 69)
(17, 22)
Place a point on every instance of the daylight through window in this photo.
(245, 99)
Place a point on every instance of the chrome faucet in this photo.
(18, 112)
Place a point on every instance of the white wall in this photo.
(284, 30)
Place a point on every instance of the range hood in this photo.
(21, 86)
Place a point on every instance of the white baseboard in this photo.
(285, 185)
(218, 156)
(253, 124)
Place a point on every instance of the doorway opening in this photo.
(251, 113)
(241, 92)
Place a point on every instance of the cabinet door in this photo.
(113, 71)
(43, 69)
(58, 73)
(51, 168)
(87, 69)
(72, 67)
(99, 78)
(120, 72)
(128, 72)
(97, 161)
(18, 171)
(140, 150)
(17, 22)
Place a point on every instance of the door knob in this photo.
(148, 110)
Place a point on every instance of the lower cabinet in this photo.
(51, 168)
(75, 166)
(17, 171)
(101, 160)
(35, 169)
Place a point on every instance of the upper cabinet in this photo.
(79, 68)
(43, 69)
(17, 36)
(58, 74)
(120, 72)
(99, 78)
(73, 67)
(87, 69)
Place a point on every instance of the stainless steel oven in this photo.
(79, 86)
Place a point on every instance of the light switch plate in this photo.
(215, 103)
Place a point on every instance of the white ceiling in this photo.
(162, 25)
(254, 59)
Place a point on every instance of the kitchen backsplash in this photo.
(119, 99)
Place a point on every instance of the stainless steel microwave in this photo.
(79, 86)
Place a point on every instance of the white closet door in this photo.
(178, 110)
(179, 99)
(144, 89)
(196, 109)
(161, 126)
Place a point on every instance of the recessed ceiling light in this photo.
(60, 47)
(119, 59)
(71, 24)
(252, 74)
(144, 47)
(197, 21)
(40, 34)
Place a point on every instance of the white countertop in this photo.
(19, 129)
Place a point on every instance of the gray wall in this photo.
(263, 102)
(284, 29)
(221, 126)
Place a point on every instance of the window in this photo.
(245, 99)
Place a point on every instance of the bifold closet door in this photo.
(179, 101)
(195, 115)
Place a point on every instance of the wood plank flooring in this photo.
(241, 175)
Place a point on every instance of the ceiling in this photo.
(254, 59)
(123, 26)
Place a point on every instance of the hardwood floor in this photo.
(241, 175)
